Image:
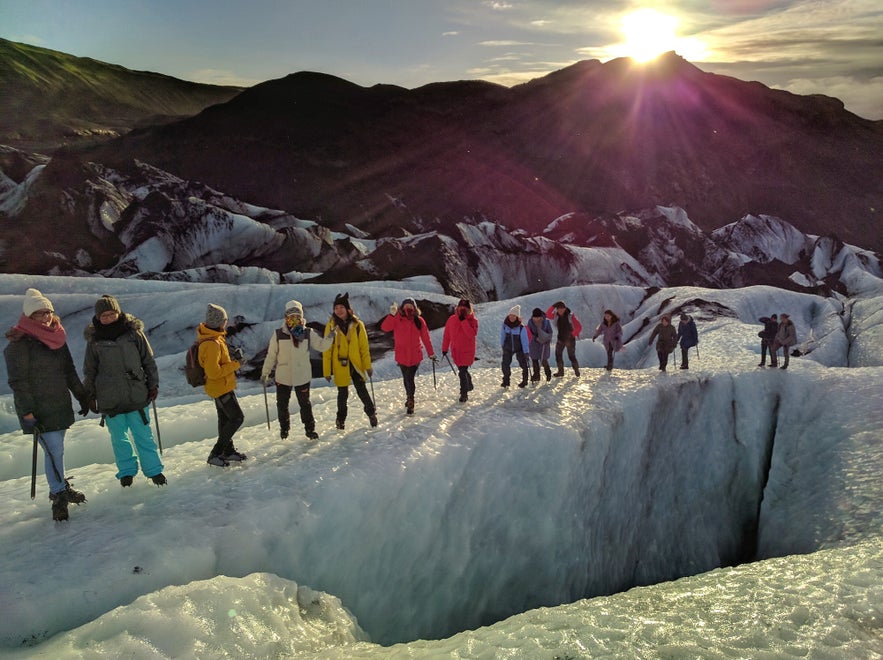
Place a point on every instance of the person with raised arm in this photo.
(409, 332)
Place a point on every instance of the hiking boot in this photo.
(234, 456)
(548, 373)
(373, 420)
(217, 461)
(523, 383)
(59, 506)
(576, 372)
(559, 373)
(126, 481)
(340, 424)
(73, 496)
(464, 397)
(311, 434)
(409, 405)
(684, 366)
(283, 433)
(505, 383)
(159, 479)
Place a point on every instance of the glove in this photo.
(328, 378)
(593, 339)
(444, 354)
(84, 408)
(393, 309)
(265, 380)
(434, 358)
(28, 425)
(237, 354)
(152, 393)
(370, 372)
(93, 405)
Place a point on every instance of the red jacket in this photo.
(459, 337)
(407, 338)
(552, 315)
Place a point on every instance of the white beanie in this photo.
(34, 302)
(516, 310)
(294, 307)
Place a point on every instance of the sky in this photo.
(463, 514)
(831, 47)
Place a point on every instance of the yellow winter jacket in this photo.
(352, 346)
(214, 357)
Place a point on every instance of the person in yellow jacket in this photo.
(220, 381)
(349, 359)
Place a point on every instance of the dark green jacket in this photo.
(42, 380)
(119, 371)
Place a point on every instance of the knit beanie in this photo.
(342, 299)
(294, 307)
(774, 317)
(536, 312)
(409, 301)
(107, 303)
(34, 302)
(516, 310)
(464, 302)
(215, 316)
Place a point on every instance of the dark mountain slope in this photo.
(596, 138)
(48, 98)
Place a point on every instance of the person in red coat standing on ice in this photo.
(459, 338)
(409, 331)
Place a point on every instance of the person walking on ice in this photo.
(42, 377)
(349, 359)
(610, 331)
(688, 336)
(459, 336)
(409, 331)
(289, 354)
(220, 365)
(767, 337)
(122, 380)
(786, 337)
(667, 342)
(514, 341)
(568, 327)
(539, 330)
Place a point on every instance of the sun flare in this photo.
(649, 33)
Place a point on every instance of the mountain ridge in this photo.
(593, 138)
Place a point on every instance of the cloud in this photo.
(862, 97)
(452, 33)
(497, 5)
(504, 42)
(221, 77)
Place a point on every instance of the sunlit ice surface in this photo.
(475, 529)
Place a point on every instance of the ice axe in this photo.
(266, 405)
(156, 421)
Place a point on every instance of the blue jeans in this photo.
(52, 443)
(124, 453)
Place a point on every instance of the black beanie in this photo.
(342, 299)
(536, 312)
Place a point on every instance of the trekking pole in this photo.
(371, 382)
(156, 421)
(452, 366)
(434, 384)
(34, 466)
(266, 405)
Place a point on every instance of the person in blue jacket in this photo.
(688, 337)
(514, 340)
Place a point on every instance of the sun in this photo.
(648, 33)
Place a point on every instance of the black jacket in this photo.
(42, 380)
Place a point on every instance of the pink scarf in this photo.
(53, 335)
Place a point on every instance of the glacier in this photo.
(721, 511)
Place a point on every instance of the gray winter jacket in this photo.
(119, 368)
(787, 334)
(42, 380)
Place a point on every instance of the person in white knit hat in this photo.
(514, 341)
(289, 355)
(42, 377)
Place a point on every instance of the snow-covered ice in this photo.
(608, 515)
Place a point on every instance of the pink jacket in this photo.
(459, 337)
(407, 338)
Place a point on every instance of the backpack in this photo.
(193, 371)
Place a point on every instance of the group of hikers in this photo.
(121, 381)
